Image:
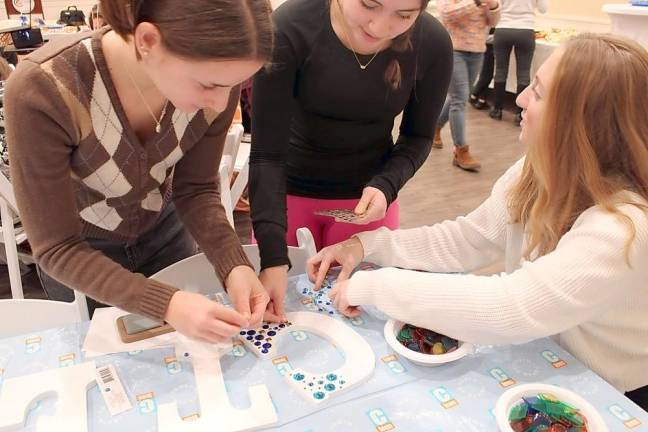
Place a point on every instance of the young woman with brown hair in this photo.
(115, 139)
(323, 117)
(570, 221)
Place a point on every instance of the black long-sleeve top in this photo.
(322, 127)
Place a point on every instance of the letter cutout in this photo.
(360, 360)
(70, 384)
(216, 413)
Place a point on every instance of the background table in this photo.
(401, 396)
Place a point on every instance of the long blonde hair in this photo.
(592, 143)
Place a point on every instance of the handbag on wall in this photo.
(72, 16)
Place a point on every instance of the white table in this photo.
(630, 21)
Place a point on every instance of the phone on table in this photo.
(133, 328)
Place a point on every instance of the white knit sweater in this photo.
(583, 292)
(520, 14)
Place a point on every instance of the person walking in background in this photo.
(515, 30)
(468, 22)
(478, 96)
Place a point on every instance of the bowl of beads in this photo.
(543, 407)
(422, 346)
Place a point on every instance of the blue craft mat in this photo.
(400, 393)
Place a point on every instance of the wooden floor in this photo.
(437, 192)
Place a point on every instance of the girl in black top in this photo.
(323, 116)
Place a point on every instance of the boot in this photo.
(495, 114)
(436, 141)
(518, 111)
(464, 160)
(500, 93)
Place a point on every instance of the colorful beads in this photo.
(545, 413)
(425, 341)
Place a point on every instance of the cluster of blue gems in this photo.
(320, 298)
(320, 386)
(262, 338)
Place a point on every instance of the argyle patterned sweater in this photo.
(79, 171)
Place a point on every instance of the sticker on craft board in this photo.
(359, 358)
(69, 384)
(216, 412)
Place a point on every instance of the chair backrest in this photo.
(232, 143)
(21, 316)
(196, 274)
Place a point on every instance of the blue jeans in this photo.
(466, 68)
(166, 243)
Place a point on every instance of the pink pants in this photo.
(301, 213)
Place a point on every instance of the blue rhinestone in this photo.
(304, 291)
(329, 387)
(266, 345)
(331, 377)
(319, 395)
(282, 325)
(264, 351)
(257, 343)
(331, 312)
(251, 332)
(258, 337)
(272, 333)
(266, 326)
(242, 333)
(298, 377)
(249, 338)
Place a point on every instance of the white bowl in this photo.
(392, 327)
(514, 395)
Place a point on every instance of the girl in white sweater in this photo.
(570, 221)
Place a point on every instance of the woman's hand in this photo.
(197, 317)
(371, 207)
(348, 254)
(338, 296)
(247, 294)
(275, 282)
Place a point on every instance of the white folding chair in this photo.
(196, 274)
(11, 236)
(235, 159)
(20, 316)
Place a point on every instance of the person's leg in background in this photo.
(502, 46)
(437, 142)
(524, 50)
(335, 232)
(466, 68)
(478, 95)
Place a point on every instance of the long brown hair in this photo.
(401, 43)
(199, 29)
(592, 144)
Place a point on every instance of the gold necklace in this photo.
(157, 121)
(346, 35)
